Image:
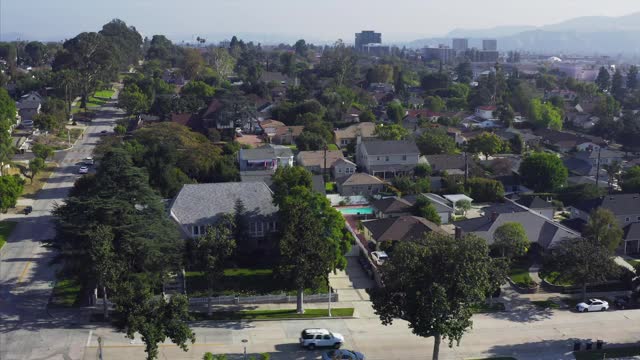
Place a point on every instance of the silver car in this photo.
(342, 354)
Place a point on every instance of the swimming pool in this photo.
(356, 211)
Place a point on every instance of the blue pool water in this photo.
(357, 211)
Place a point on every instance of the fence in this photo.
(263, 299)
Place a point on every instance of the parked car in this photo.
(342, 355)
(27, 210)
(593, 305)
(88, 161)
(626, 302)
(312, 338)
(83, 170)
(379, 257)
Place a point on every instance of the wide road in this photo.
(527, 334)
(27, 329)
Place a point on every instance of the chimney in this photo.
(358, 139)
(459, 233)
(494, 216)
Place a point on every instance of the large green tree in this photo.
(391, 132)
(543, 172)
(7, 119)
(603, 80)
(581, 261)
(604, 229)
(286, 179)
(486, 143)
(126, 42)
(425, 209)
(511, 240)
(433, 284)
(632, 78)
(10, 189)
(434, 142)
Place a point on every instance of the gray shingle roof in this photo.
(535, 202)
(390, 147)
(619, 204)
(632, 232)
(439, 203)
(266, 152)
(359, 179)
(392, 205)
(402, 228)
(202, 204)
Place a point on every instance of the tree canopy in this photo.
(543, 172)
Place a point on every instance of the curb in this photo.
(281, 319)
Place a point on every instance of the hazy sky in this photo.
(314, 19)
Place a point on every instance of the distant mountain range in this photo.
(585, 35)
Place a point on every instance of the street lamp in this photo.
(244, 342)
(329, 301)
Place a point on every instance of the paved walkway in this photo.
(534, 273)
(622, 262)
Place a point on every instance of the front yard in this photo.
(242, 282)
(6, 227)
(273, 314)
(66, 293)
(519, 274)
(61, 139)
(31, 188)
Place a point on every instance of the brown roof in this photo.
(365, 129)
(271, 123)
(403, 228)
(285, 130)
(392, 205)
(316, 158)
(359, 179)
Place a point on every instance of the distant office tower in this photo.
(486, 56)
(376, 49)
(460, 45)
(442, 53)
(367, 37)
(490, 45)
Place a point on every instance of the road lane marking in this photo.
(89, 338)
(24, 272)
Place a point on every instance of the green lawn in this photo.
(634, 262)
(546, 304)
(243, 282)
(330, 187)
(332, 147)
(552, 278)
(520, 275)
(272, 314)
(6, 227)
(66, 293)
(99, 98)
(607, 353)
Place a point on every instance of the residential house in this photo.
(359, 184)
(486, 112)
(198, 206)
(188, 119)
(403, 228)
(275, 77)
(387, 158)
(626, 209)
(447, 163)
(342, 167)
(352, 115)
(267, 157)
(606, 156)
(173, 76)
(442, 205)
(566, 95)
(565, 141)
(319, 161)
(269, 127)
(414, 118)
(29, 105)
(287, 135)
(391, 207)
(381, 88)
(349, 135)
(538, 205)
(540, 230)
(211, 120)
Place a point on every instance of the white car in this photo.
(88, 161)
(83, 170)
(312, 338)
(379, 257)
(593, 305)
(342, 355)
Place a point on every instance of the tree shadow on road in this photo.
(546, 349)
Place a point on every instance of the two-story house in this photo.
(625, 207)
(30, 105)
(198, 206)
(387, 158)
(319, 161)
(486, 112)
(350, 134)
(268, 157)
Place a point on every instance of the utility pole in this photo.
(598, 169)
(324, 170)
(466, 169)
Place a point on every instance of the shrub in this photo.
(485, 190)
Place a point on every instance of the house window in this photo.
(378, 158)
(404, 157)
(344, 142)
(273, 226)
(627, 219)
(195, 230)
(369, 187)
(256, 229)
(386, 158)
(339, 170)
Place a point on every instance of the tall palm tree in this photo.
(613, 173)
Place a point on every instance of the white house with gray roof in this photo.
(267, 157)
(387, 158)
(198, 206)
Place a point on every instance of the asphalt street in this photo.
(27, 329)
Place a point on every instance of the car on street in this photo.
(592, 305)
(379, 257)
(626, 302)
(312, 338)
(88, 161)
(342, 354)
(27, 210)
(83, 170)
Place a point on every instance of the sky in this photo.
(315, 20)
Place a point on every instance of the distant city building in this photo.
(376, 49)
(460, 45)
(367, 37)
(490, 45)
(442, 53)
(476, 55)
